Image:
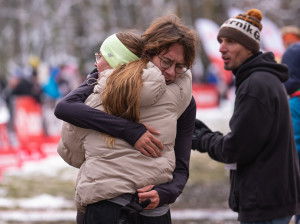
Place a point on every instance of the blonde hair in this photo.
(121, 95)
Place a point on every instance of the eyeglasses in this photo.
(166, 63)
(97, 57)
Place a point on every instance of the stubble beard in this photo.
(227, 67)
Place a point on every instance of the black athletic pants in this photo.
(106, 212)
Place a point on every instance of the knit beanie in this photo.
(244, 29)
(115, 52)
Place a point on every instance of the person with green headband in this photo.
(115, 52)
(170, 47)
(109, 167)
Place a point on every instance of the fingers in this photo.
(157, 143)
(153, 196)
(152, 148)
(144, 152)
(152, 205)
(151, 130)
(145, 203)
(145, 189)
(147, 148)
(148, 145)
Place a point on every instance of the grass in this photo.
(30, 186)
(20, 187)
(204, 170)
(207, 186)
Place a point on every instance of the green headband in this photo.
(115, 52)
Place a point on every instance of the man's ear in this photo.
(250, 53)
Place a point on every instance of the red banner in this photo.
(32, 142)
(206, 96)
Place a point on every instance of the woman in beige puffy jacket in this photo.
(111, 167)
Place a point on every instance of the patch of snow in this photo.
(49, 166)
(43, 201)
(34, 216)
(203, 214)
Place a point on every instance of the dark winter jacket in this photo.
(266, 183)
(291, 59)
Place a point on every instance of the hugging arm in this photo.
(73, 110)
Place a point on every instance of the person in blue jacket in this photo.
(291, 58)
(164, 32)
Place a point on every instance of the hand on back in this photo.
(149, 145)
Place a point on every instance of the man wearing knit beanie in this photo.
(244, 29)
(260, 148)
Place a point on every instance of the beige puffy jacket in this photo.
(106, 172)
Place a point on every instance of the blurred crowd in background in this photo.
(44, 83)
(47, 48)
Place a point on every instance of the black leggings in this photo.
(106, 212)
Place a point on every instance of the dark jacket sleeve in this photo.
(73, 110)
(169, 192)
(250, 129)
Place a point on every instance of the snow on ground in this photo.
(43, 201)
(44, 207)
(48, 167)
(68, 215)
(37, 216)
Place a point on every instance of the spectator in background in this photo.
(260, 147)
(2, 83)
(4, 114)
(290, 35)
(292, 59)
(20, 84)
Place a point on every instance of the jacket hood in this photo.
(291, 58)
(261, 62)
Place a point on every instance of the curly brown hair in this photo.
(166, 31)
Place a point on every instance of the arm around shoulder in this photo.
(73, 110)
